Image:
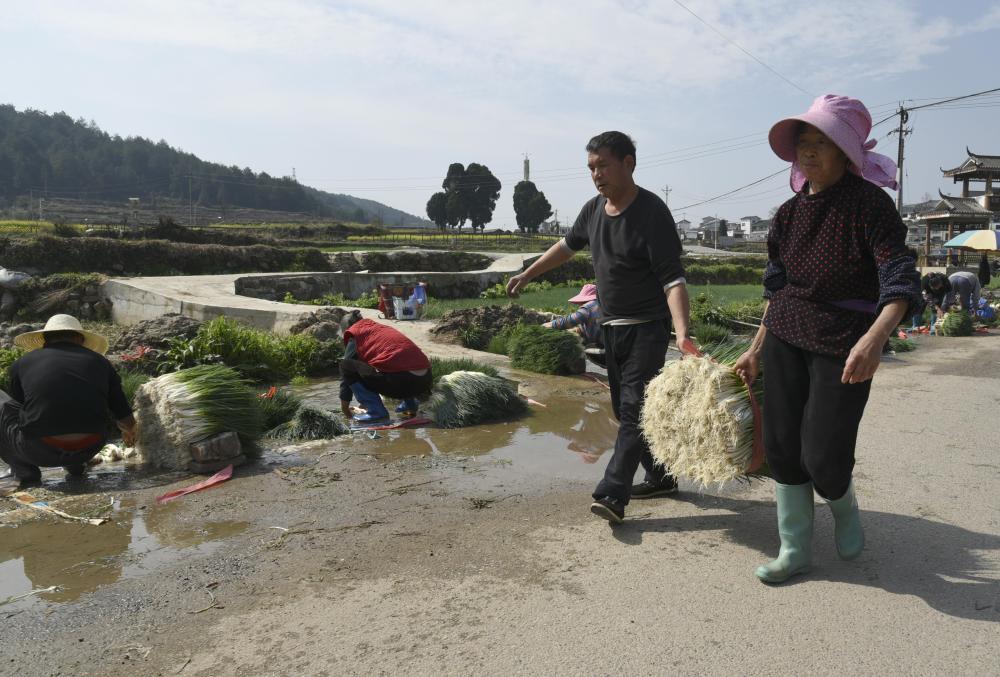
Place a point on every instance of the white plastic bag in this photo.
(405, 309)
(12, 279)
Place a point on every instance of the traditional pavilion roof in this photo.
(975, 166)
(951, 208)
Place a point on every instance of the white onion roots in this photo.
(698, 420)
(167, 422)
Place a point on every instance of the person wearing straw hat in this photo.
(838, 281)
(60, 392)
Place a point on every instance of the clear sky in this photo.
(376, 98)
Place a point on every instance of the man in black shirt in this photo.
(61, 389)
(641, 288)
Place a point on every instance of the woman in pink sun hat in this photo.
(586, 319)
(838, 281)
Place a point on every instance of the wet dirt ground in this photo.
(460, 551)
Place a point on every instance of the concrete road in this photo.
(474, 566)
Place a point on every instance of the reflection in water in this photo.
(586, 428)
(589, 427)
(588, 424)
(80, 558)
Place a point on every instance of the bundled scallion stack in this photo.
(189, 405)
(310, 423)
(956, 322)
(464, 398)
(698, 417)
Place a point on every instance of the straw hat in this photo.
(33, 340)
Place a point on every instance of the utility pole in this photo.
(190, 207)
(666, 195)
(902, 131)
(527, 168)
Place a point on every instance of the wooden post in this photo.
(927, 244)
(951, 228)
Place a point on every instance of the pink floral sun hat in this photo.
(846, 122)
(588, 292)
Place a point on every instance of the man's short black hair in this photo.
(618, 143)
(62, 335)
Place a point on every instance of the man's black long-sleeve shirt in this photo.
(636, 255)
(65, 388)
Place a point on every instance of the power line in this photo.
(956, 98)
(941, 102)
(904, 115)
(735, 190)
(740, 47)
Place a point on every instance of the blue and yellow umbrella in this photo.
(980, 240)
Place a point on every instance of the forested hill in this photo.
(58, 156)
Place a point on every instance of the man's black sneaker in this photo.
(608, 508)
(647, 489)
(76, 470)
(27, 476)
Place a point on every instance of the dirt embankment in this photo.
(492, 320)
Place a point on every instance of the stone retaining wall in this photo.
(387, 262)
(352, 285)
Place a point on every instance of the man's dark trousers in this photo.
(25, 455)
(635, 354)
(398, 385)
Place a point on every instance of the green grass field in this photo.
(15, 227)
(291, 224)
(554, 299)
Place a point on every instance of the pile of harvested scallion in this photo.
(698, 417)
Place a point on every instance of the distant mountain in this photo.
(56, 156)
(371, 209)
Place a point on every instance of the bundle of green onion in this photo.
(464, 398)
(310, 423)
(957, 322)
(176, 409)
(698, 417)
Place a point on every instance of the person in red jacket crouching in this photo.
(379, 360)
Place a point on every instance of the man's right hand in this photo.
(127, 428)
(515, 284)
(128, 435)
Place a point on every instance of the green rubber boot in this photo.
(847, 532)
(795, 527)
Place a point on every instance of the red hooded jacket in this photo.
(385, 348)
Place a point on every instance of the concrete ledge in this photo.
(200, 297)
(441, 284)
(205, 297)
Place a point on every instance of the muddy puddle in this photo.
(69, 559)
(44, 560)
(564, 438)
